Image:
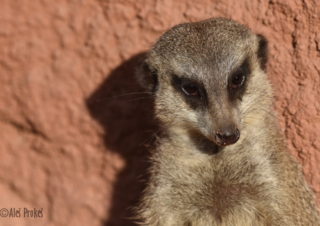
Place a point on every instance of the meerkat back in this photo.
(221, 160)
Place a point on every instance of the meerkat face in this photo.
(200, 73)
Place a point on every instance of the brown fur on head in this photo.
(201, 74)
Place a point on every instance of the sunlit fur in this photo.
(250, 183)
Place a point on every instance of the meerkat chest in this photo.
(203, 192)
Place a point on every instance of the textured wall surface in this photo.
(72, 139)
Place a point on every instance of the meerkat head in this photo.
(201, 73)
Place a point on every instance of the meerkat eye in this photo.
(190, 89)
(237, 79)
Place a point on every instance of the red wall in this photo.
(74, 145)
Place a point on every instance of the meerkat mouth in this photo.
(205, 144)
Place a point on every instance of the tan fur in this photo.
(250, 183)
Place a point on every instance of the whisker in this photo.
(140, 98)
(122, 95)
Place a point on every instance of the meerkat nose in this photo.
(227, 136)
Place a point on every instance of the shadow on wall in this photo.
(125, 111)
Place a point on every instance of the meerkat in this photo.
(222, 160)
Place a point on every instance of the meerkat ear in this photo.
(263, 51)
(147, 76)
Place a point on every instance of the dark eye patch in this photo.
(191, 90)
(237, 81)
